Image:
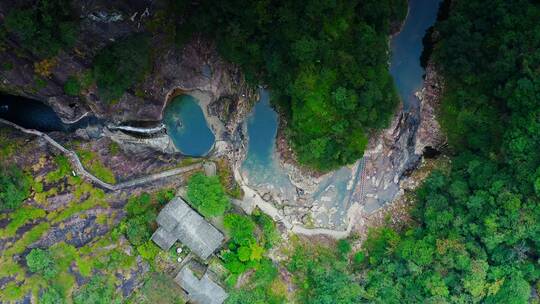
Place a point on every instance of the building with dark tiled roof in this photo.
(200, 291)
(178, 221)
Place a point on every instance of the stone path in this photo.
(80, 170)
(251, 199)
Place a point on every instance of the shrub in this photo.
(40, 261)
(52, 295)
(72, 86)
(148, 251)
(344, 247)
(207, 195)
(98, 291)
(359, 258)
(268, 227)
(240, 228)
(138, 205)
(137, 231)
(14, 187)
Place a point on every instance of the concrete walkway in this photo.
(81, 171)
(251, 199)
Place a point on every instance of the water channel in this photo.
(33, 114)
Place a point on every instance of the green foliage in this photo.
(268, 227)
(344, 247)
(359, 258)
(45, 27)
(241, 228)
(138, 230)
(226, 177)
(164, 196)
(41, 261)
(206, 194)
(322, 277)
(14, 187)
(93, 164)
(158, 288)
(244, 251)
(148, 250)
(99, 290)
(261, 287)
(63, 169)
(19, 218)
(72, 86)
(140, 221)
(326, 63)
(52, 295)
(137, 205)
(477, 235)
(121, 65)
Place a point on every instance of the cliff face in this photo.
(193, 67)
(429, 132)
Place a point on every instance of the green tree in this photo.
(240, 228)
(120, 65)
(344, 247)
(207, 195)
(52, 295)
(326, 67)
(99, 290)
(40, 261)
(44, 27)
(14, 187)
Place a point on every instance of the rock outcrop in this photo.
(195, 66)
(429, 132)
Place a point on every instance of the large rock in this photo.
(429, 132)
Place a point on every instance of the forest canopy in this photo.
(477, 233)
(44, 28)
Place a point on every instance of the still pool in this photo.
(33, 114)
(187, 126)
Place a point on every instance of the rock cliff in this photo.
(194, 66)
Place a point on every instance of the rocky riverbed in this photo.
(313, 200)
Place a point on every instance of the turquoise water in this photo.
(262, 129)
(187, 126)
(407, 47)
(261, 166)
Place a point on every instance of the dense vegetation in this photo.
(207, 195)
(477, 233)
(44, 27)
(14, 187)
(326, 63)
(120, 65)
(250, 238)
(322, 274)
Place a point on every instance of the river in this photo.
(329, 197)
(33, 114)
